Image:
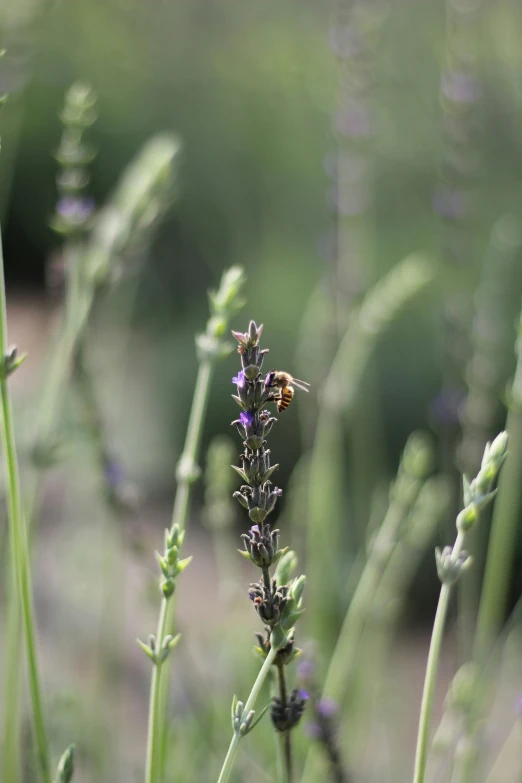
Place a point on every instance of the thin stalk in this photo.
(159, 687)
(346, 652)
(345, 656)
(286, 739)
(250, 703)
(76, 310)
(504, 530)
(20, 547)
(421, 754)
(154, 723)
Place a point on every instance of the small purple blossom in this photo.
(449, 204)
(306, 670)
(327, 708)
(246, 418)
(75, 209)
(345, 42)
(445, 407)
(304, 694)
(114, 474)
(353, 121)
(240, 380)
(460, 87)
(254, 529)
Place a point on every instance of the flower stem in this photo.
(20, 549)
(501, 549)
(159, 686)
(154, 735)
(254, 693)
(286, 736)
(77, 308)
(421, 754)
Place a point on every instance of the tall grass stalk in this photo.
(157, 729)
(402, 285)
(504, 528)
(224, 304)
(416, 463)
(19, 545)
(421, 754)
(496, 306)
(451, 562)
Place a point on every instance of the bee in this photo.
(285, 383)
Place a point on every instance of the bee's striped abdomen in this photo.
(286, 398)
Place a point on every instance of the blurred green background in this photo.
(256, 92)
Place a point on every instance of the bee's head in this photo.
(270, 379)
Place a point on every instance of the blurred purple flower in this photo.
(114, 474)
(445, 407)
(353, 121)
(518, 705)
(327, 708)
(345, 42)
(246, 418)
(448, 203)
(304, 694)
(75, 209)
(240, 380)
(305, 670)
(460, 87)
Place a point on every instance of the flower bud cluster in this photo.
(277, 599)
(170, 563)
(286, 715)
(74, 210)
(224, 303)
(478, 494)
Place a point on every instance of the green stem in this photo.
(77, 307)
(20, 548)
(254, 693)
(286, 738)
(504, 530)
(421, 754)
(153, 730)
(157, 728)
(341, 670)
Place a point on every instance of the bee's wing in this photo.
(303, 385)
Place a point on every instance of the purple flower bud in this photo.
(327, 708)
(113, 473)
(254, 529)
(449, 204)
(240, 380)
(75, 209)
(306, 670)
(445, 407)
(345, 42)
(353, 122)
(246, 418)
(304, 694)
(460, 87)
